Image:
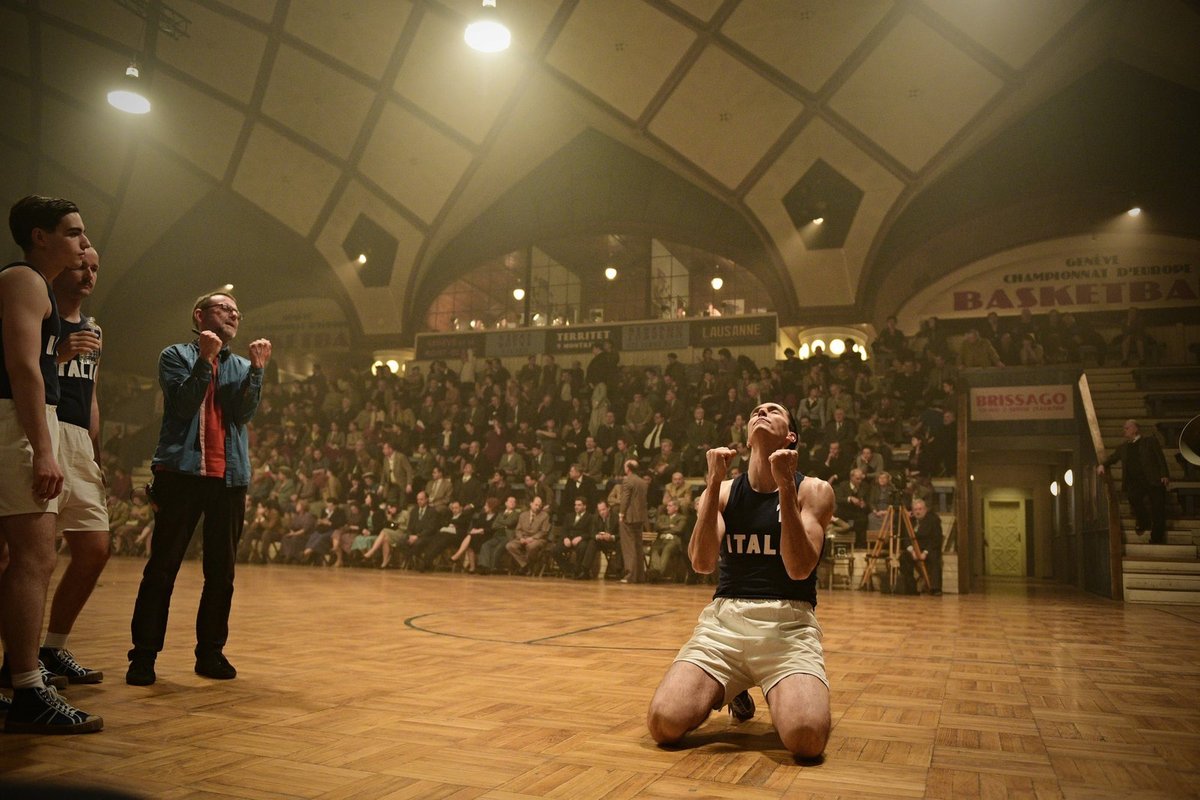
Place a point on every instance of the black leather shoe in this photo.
(140, 673)
(215, 666)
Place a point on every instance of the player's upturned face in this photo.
(769, 418)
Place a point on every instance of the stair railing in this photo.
(1108, 493)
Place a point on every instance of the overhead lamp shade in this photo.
(129, 98)
(487, 34)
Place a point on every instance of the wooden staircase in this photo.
(1166, 573)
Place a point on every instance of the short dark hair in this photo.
(202, 301)
(35, 211)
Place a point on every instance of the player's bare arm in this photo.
(705, 544)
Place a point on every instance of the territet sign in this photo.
(579, 339)
(1021, 403)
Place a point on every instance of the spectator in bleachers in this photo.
(851, 496)
(735, 433)
(666, 552)
(577, 486)
(542, 464)
(928, 529)
(536, 486)
(591, 460)
(512, 463)
(300, 527)
(698, 437)
(578, 527)
(831, 464)
(1032, 353)
(439, 489)
(1133, 337)
(890, 344)
(470, 490)
(679, 491)
(882, 495)
(840, 429)
(840, 400)
(532, 534)
(975, 351)
(869, 461)
(992, 329)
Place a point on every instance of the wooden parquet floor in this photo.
(367, 684)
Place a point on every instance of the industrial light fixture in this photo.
(129, 97)
(487, 33)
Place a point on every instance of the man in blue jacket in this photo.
(201, 467)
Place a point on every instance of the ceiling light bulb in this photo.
(362, 258)
(1134, 212)
(610, 273)
(717, 283)
(129, 99)
(487, 34)
(518, 293)
(818, 220)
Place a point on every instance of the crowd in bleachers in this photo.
(423, 469)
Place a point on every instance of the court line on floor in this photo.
(411, 622)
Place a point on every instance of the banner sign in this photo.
(1077, 274)
(726, 331)
(655, 336)
(514, 342)
(431, 346)
(1021, 403)
(580, 339)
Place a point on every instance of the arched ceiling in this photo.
(319, 111)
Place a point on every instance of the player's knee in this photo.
(91, 551)
(807, 740)
(667, 725)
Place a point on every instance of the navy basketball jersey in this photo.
(76, 382)
(49, 339)
(751, 565)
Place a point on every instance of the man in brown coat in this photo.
(632, 513)
(533, 533)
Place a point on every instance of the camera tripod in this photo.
(889, 531)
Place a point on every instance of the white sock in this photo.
(56, 641)
(28, 680)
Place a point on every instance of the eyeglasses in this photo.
(228, 310)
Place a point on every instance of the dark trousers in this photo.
(591, 548)
(181, 500)
(907, 580)
(1149, 504)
